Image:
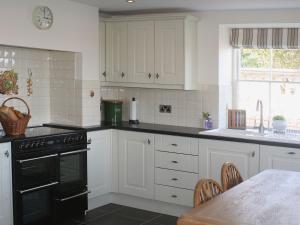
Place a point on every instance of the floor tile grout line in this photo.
(148, 221)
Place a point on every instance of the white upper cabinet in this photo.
(6, 211)
(141, 51)
(169, 52)
(213, 154)
(116, 52)
(153, 51)
(281, 158)
(136, 164)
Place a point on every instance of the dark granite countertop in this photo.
(174, 130)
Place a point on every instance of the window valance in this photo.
(275, 38)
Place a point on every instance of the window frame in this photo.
(236, 80)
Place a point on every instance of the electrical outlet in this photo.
(165, 108)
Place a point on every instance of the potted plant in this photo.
(279, 123)
(207, 121)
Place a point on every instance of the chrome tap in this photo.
(259, 105)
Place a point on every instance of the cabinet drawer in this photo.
(174, 195)
(176, 178)
(173, 161)
(176, 144)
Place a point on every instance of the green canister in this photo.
(112, 111)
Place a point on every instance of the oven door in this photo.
(72, 191)
(38, 171)
(73, 172)
(35, 206)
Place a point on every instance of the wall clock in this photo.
(42, 17)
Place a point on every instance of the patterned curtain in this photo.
(276, 38)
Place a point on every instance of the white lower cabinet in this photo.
(99, 163)
(136, 164)
(213, 154)
(6, 210)
(282, 158)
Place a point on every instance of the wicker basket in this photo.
(14, 128)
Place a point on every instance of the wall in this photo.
(75, 29)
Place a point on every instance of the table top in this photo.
(269, 198)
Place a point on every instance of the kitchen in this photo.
(121, 53)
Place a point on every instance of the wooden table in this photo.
(269, 198)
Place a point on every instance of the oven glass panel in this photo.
(73, 171)
(38, 172)
(37, 207)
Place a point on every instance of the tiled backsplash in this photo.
(187, 106)
(22, 59)
(57, 95)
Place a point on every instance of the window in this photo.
(273, 76)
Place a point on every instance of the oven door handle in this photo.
(38, 188)
(32, 159)
(74, 196)
(75, 152)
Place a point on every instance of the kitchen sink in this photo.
(253, 134)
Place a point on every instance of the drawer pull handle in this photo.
(174, 196)
(174, 179)
(175, 145)
(174, 161)
(292, 153)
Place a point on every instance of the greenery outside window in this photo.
(273, 76)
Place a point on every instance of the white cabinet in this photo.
(136, 164)
(141, 51)
(169, 52)
(99, 163)
(116, 52)
(272, 157)
(102, 70)
(212, 155)
(152, 51)
(6, 210)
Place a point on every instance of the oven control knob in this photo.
(27, 145)
(32, 145)
(65, 140)
(21, 146)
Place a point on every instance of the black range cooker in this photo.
(49, 175)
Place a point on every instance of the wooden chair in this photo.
(230, 176)
(205, 190)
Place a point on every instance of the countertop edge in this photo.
(177, 133)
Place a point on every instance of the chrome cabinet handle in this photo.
(38, 188)
(174, 179)
(32, 159)
(104, 73)
(253, 154)
(6, 154)
(149, 142)
(157, 76)
(292, 153)
(75, 152)
(89, 141)
(74, 196)
(149, 75)
(174, 161)
(122, 74)
(175, 145)
(174, 196)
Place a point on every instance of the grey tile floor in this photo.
(113, 214)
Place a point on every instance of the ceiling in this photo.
(115, 6)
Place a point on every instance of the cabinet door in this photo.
(141, 51)
(272, 157)
(136, 164)
(116, 52)
(6, 211)
(99, 163)
(213, 154)
(169, 52)
(102, 69)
